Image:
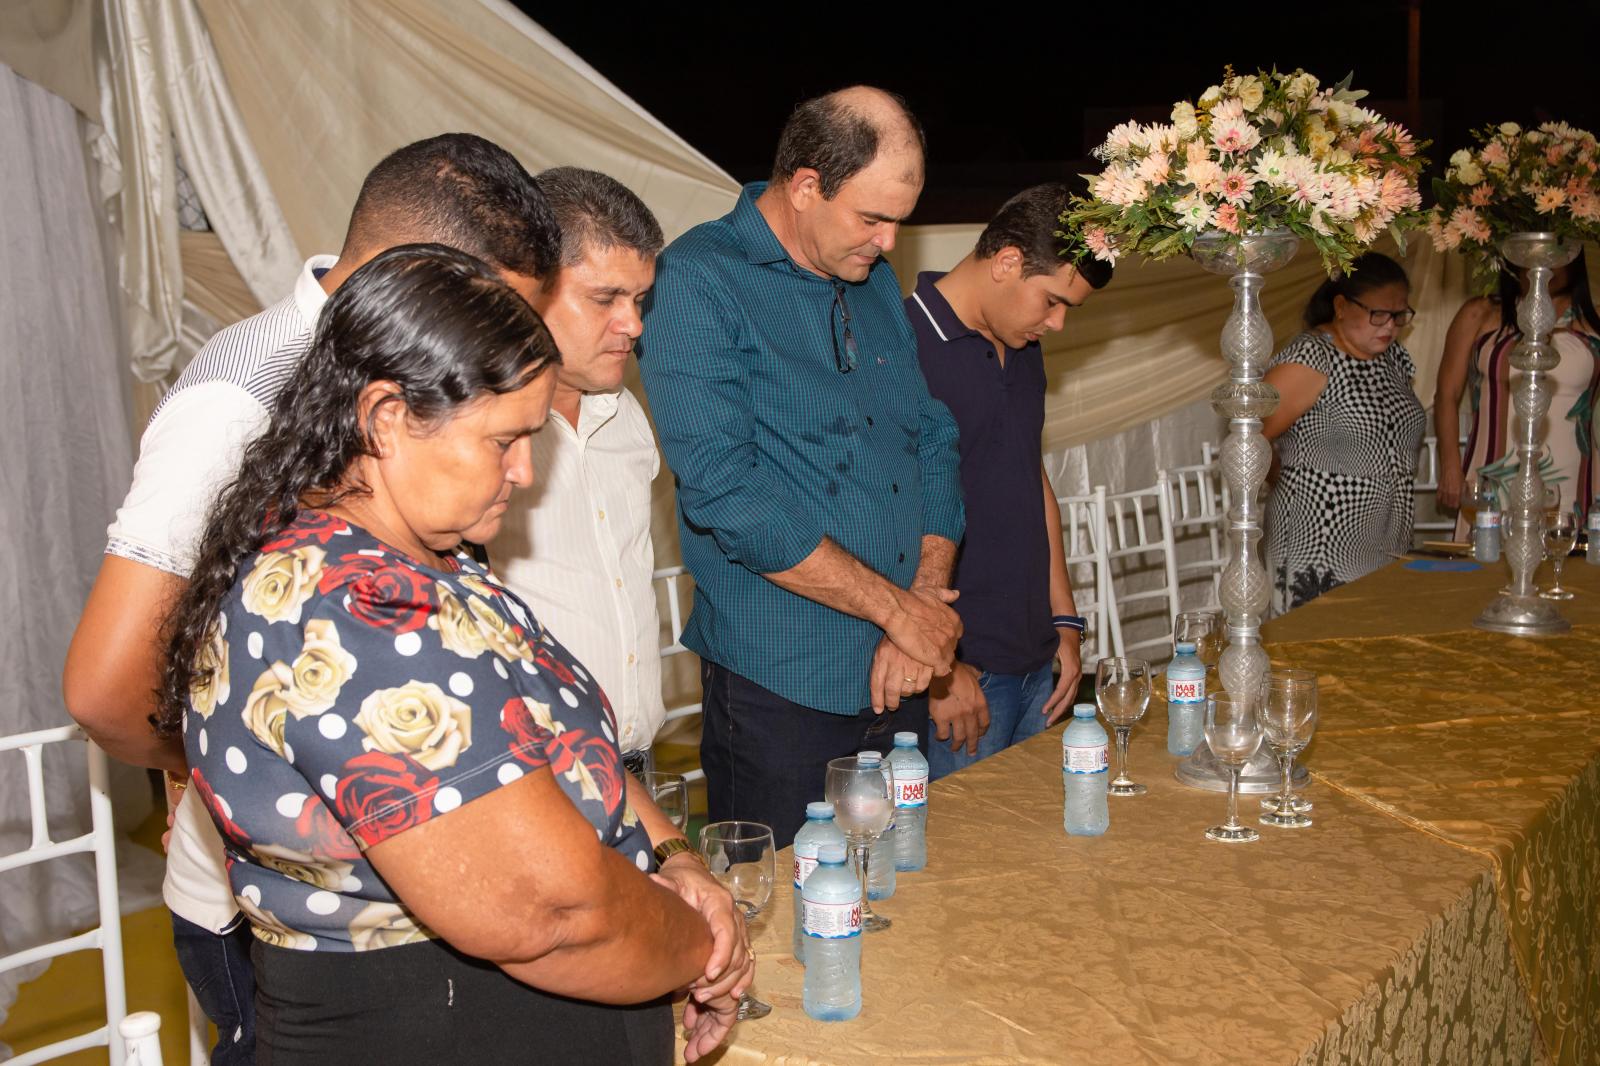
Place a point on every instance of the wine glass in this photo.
(1288, 713)
(1209, 648)
(862, 795)
(742, 857)
(1122, 688)
(1234, 733)
(1560, 534)
(671, 793)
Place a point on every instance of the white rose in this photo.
(267, 707)
(385, 925)
(418, 719)
(1459, 157)
(268, 928)
(327, 874)
(208, 687)
(1211, 96)
(1510, 129)
(319, 671)
(1469, 173)
(1184, 120)
(281, 582)
(458, 631)
(502, 639)
(1250, 92)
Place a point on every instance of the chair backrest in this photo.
(1198, 515)
(675, 586)
(100, 841)
(1084, 541)
(1139, 534)
(1426, 484)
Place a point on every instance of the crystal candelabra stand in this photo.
(1520, 611)
(1244, 399)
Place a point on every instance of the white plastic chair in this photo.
(673, 579)
(1427, 483)
(101, 842)
(1083, 539)
(1198, 512)
(1138, 527)
(141, 1038)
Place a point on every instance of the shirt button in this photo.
(602, 516)
(989, 353)
(619, 582)
(895, 486)
(869, 421)
(902, 557)
(630, 658)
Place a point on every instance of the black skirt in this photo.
(427, 1004)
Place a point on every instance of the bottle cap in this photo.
(1083, 710)
(831, 854)
(907, 739)
(1185, 647)
(869, 759)
(819, 810)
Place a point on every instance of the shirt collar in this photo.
(595, 409)
(931, 302)
(308, 294)
(761, 245)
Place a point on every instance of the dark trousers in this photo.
(766, 757)
(426, 1004)
(217, 966)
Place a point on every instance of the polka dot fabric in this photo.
(349, 694)
(1343, 500)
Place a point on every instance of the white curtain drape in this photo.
(64, 434)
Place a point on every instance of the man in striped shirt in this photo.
(819, 499)
(455, 189)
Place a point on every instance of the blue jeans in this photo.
(217, 966)
(1015, 705)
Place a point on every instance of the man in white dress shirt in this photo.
(579, 551)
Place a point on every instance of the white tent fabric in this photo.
(65, 435)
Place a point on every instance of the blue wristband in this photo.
(1070, 621)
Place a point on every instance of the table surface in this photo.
(1440, 756)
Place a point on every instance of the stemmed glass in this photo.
(1288, 713)
(671, 793)
(1234, 733)
(863, 805)
(1192, 627)
(1560, 534)
(1208, 649)
(1122, 688)
(742, 857)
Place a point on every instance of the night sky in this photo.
(1021, 96)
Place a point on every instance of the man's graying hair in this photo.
(597, 211)
(836, 140)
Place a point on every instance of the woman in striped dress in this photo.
(1477, 363)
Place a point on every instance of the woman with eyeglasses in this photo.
(1477, 362)
(1347, 430)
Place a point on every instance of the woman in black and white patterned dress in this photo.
(1347, 432)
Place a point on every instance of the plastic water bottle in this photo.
(1486, 529)
(832, 926)
(820, 829)
(1085, 766)
(1591, 525)
(881, 852)
(1186, 700)
(910, 804)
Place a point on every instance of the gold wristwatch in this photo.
(672, 846)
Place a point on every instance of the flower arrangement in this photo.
(1516, 181)
(1258, 152)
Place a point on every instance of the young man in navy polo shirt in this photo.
(978, 330)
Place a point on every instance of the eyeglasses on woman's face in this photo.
(1381, 317)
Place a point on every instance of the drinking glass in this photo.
(863, 805)
(1560, 534)
(1209, 649)
(742, 857)
(1234, 733)
(1288, 712)
(1192, 627)
(671, 793)
(1122, 688)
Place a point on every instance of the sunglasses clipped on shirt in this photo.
(1401, 319)
(844, 342)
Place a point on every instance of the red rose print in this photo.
(225, 824)
(382, 794)
(597, 754)
(322, 833)
(528, 737)
(384, 593)
(546, 660)
(317, 527)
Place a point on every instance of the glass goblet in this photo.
(1192, 627)
(863, 805)
(742, 857)
(1560, 534)
(1288, 713)
(1234, 733)
(1122, 689)
(671, 793)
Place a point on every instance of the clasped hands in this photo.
(919, 644)
(713, 1002)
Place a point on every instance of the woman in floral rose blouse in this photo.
(419, 790)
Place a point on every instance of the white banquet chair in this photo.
(1084, 542)
(673, 580)
(1198, 515)
(1140, 538)
(100, 841)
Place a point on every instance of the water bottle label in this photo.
(911, 791)
(1488, 520)
(832, 921)
(803, 865)
(1594, 521)
(1186, 690)
(1084, 758)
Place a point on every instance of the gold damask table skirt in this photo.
(1443, 909)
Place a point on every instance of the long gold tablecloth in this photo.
(1443, 909)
